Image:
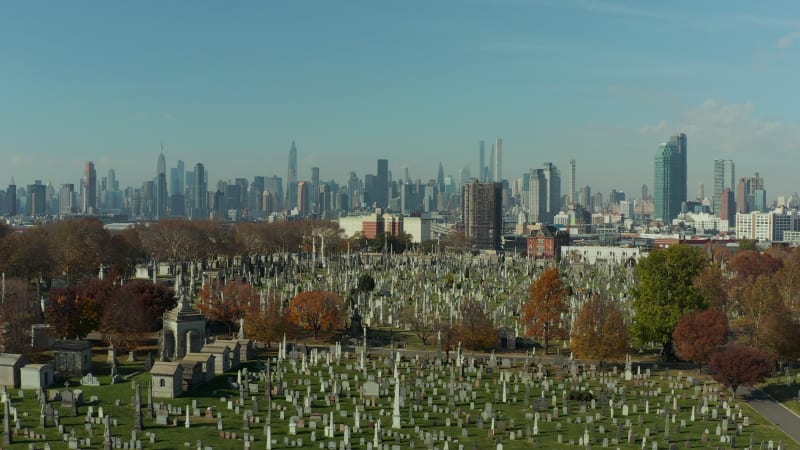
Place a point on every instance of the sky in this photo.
(231, 84)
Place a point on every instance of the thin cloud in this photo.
(787, 40)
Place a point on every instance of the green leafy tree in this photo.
(366, 283)
(665, 293)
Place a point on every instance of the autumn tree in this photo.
(710, 283)
(542, 313)
(698, 334)
(79, 247)
(123, 321)
(476, 329)
(18, 311)
(665, 293)
(447, 334)
(152, 299)
(600, 331)
(779, 336)
(227, 302)
(26, 255)
(747, 266)
(736, 365)
(267, 322)
(74, 311)
(317, 311)
(421, 324)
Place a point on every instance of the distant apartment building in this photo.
(481, 214)
(769, 226)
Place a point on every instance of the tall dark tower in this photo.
(670, 178)
(199, 193)
(89, 188)
(161, 186)
(11, 199)
(291, 179)
(381, 187)
(481, 162)
(482, 214)
(440, 178)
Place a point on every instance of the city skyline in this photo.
(600, 82)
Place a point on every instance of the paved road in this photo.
(781, 416)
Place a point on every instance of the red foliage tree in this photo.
(548, 301)
(317, 311)
(153, 300)
(736, 365)
(73, 311)
(698, 334)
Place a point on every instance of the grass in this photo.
(169, 437)
(787, 394)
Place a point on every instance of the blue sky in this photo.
(231, 84)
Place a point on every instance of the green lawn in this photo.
(168, 437)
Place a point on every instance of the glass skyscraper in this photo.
(670, 178)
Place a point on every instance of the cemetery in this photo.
(334, 397)
(385, 379)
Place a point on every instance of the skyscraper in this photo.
(303, 201)
(670, 178)
(482, 214)
(291, 179)
(381, 184)
(161, 186)
(66, 199)
(89, 188)
(498, 160)
(544, 187)
(199, 193)
(481, 162)
(314, 190)
(724, 177)
(37, 199)
(11, 199)
(571, 193)
(440, 177)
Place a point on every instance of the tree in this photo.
(124, 322)
(422, 324)
(476, 329)
(18, 311)
(736, 365)
(153, 300)
(227, 302)
(780, 335)
(74, 311)
(365, 282)
(267, 322)
(79, 247)
(698, 334)
(26, 255)
(542, 313)
(317, 311)
(759, 301)
(711, 286)
(600, 331)
(747, 266)
(665, 293)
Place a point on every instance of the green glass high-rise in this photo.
(670, 178)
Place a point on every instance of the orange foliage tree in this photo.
(266, 322)
(698, 334)
(317, 311)
(541, 314)
(600, 331)
(228, 302)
